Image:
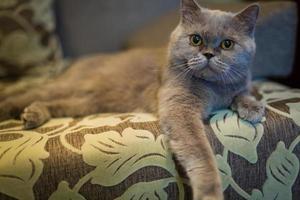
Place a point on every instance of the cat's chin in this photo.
(206, 73)
(209, 75)
(208, 78)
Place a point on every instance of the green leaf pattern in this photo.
(238, 136)
(282, 171)
(241, 138)
(117, 158)
(295, 112)
(147, 190)
(277, 93)
(64, 192)
(224, 170)
(21, 163)
(115, 155)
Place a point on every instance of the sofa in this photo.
(124, 156)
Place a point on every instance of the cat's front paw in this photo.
(213, 197)
(35, 115)
(218, 196)
(250, 110)
(211, 191)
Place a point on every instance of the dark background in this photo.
(89, 27)
(112, 22)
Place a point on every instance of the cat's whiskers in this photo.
(229, 74)
(183, 73)
(178, 65)
(185, 69)
(230, 78)
(234, 75)
(238, 73)
(189, 72)
(223, 79)
(222, 65)
(225, 75)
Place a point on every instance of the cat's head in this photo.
(213, 45)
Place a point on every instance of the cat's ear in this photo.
(190, 9)
(247, 18)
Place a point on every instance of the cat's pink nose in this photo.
(208, 55)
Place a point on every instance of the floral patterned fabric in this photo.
(27, 41)
(125, 157)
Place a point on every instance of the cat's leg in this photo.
(248, 108)
(13, 105)
(35, 115)
(180, 119)
(40, 112)
(9, 111)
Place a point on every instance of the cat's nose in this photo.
(208, 55)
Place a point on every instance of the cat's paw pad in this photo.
(212, 198)
(252, 111)
(34, 115)
(218, 196)
(214, 192)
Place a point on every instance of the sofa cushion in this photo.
(276, 35)
(125, 156)
(27, 41)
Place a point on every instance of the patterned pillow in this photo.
(124, 156)
(27, 42)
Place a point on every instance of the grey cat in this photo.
(209, 68)
(205, 68)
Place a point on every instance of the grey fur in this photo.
(184, 92)
(194, 84)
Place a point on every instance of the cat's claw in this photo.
(35, 115)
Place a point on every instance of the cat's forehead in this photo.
(214, 23)
(215, 18)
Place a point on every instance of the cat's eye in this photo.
(196, 40)
(227, 44)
